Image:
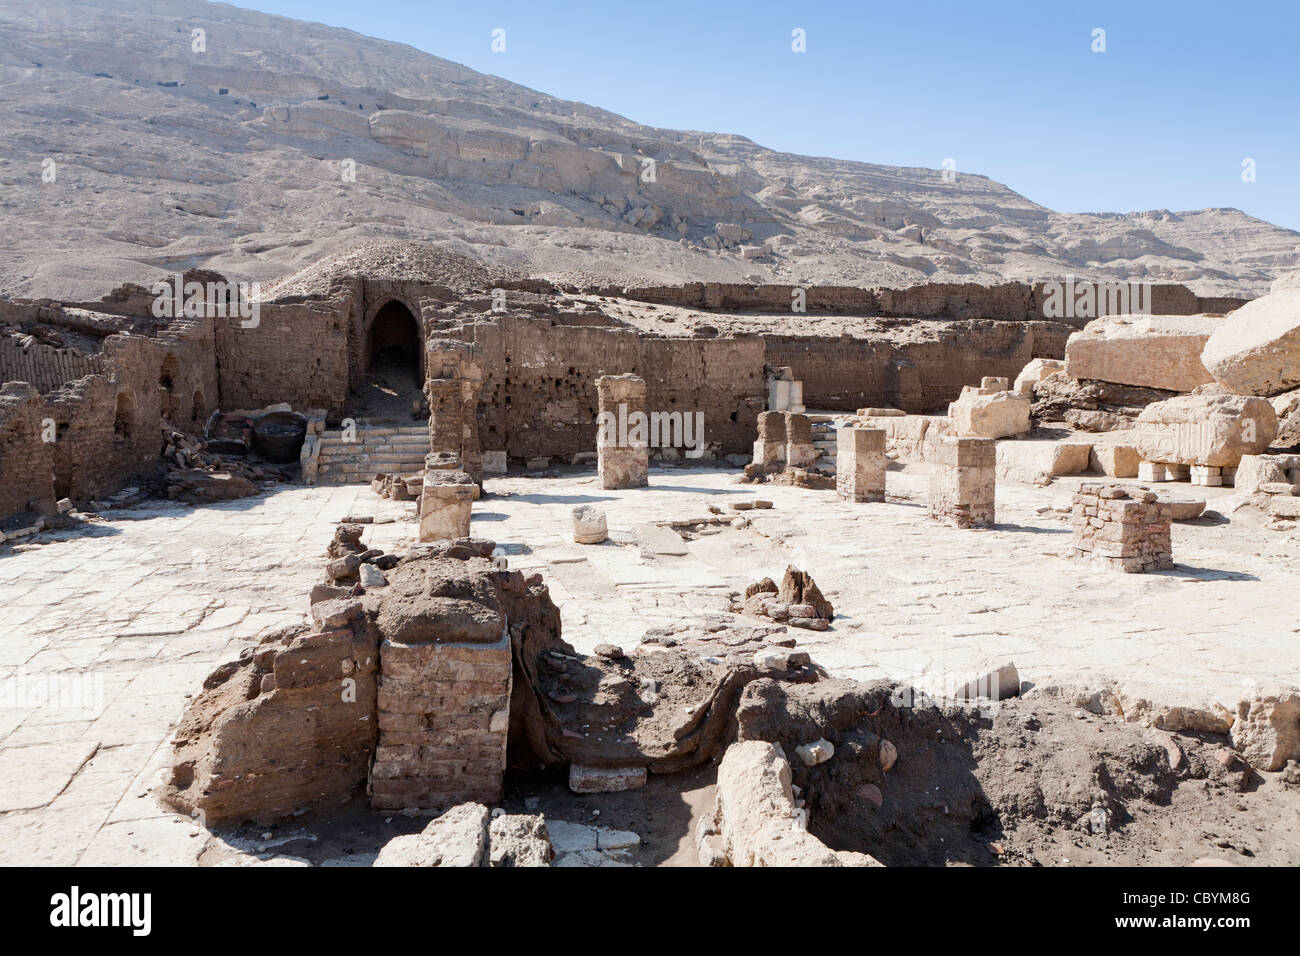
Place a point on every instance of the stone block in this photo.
(605, 779)
(1148, 351)
(860, 464)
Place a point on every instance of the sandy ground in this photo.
(137, 611)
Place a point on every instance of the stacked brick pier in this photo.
(860, 464)
(963, 481)
(444, 698)
(621, 465)
(452, 385)
(1130, 532)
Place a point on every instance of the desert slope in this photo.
(234, 158)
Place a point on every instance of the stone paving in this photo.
(104, 635)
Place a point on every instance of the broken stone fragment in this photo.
(1267, 729)
(343, 569)
(457, 838)
(516, 840)
(589, 525)
(819, 751)
(372, 577)
(888, 755)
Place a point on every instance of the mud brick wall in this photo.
(1127, 531)
(1008, 301)
(963, 481)
(26, 465)
(918, 376)
(43, 365)
(539, 393)
(444, 714)
(297, 353)
(289, 727)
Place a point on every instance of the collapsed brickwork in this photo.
(400, 691)
(1128, 531)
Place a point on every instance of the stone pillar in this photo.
(800, 452)
(622, 439)
(444, 712)
(1127, 532)
(860, 464)
(963, 480)
(446, 500)
(784, 392)
(769, 450)
(453, 381)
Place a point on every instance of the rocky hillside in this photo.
(237, 158)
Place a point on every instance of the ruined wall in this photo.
(539, 393)
(917, 376)
(43, 366)
(26, 468)
(1009, 301)
(298, 352)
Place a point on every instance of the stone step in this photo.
(403, 465)
(363, 437)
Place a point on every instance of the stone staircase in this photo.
(825, 441)
(393, 449)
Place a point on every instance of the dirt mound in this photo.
(931, 785)
(392, 259)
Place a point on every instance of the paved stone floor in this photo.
(105, 634)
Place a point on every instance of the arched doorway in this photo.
(124, 415)
(393, 388)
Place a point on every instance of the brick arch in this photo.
(385, 311)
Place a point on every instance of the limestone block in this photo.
(1267, 729)
(860, 464)
(622, 467)
(519, 839)
(1257, 470)
(1287, 407)
(755, 820)
(769, 449)
(818, 751)
(1114, 461)
(494, 462)
(1211, 426)
(1037, 370)
(446, 499)
(457, 838)
(1150, 351)
(1038, 462)
(1256, 351)
(909, 436)
(996, 415)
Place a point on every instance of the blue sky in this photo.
(1184, 92)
